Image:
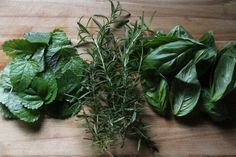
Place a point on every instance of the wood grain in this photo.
(174, 137)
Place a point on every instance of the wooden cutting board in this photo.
(173, 137)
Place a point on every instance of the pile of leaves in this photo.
(47, 76)
(184, 74)
(43, 77)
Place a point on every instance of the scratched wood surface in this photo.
(173, 137)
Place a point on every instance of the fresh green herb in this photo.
(223, 82)
(186, 64)
(113, 105)
(29, 84)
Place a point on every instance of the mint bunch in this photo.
(41, 63)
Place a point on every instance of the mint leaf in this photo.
(69, 73)
(60, 46)
(15, 106)
(5, 112)
(52, 86)
(22, 72)
(4, 78)
(18, 48)
(31, 99)
(38, 37)
(40, 58)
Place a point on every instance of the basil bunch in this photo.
(43, 76)
(176, 68)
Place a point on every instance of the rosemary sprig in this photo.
(115, 105)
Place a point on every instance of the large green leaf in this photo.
(18, 47)
(172, 56)
(216, 110)
(22, 73)
(157, 96)
(69, 73)
(185, 90)
(225, 73)
(60, 46)
(38, 37)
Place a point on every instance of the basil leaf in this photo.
(171, 57)
(159, 40)
(38, 37)
(22, 73)
(185, 90)
(180, 32)
(18, 48)
(157, 96)
(224, 78)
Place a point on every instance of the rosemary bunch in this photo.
(113, 105)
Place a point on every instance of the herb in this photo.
(185, 65)
(223, 82)
(44, 68)
(113, 105)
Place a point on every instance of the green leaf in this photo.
(171, 57)
(18, 48)
(31, 99)
(52, 86)
(15, 106)
(40, 58)
(38, 37)
(45, 86)
(74, 64)
(22, 73)
(82, 28)
(4, 78)
(69, 74)
(59, 37)
(185, 90)
(157, 96)
(60, 46)
(180, 32)
(159, 40)
(224, 77)
(5, 112)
